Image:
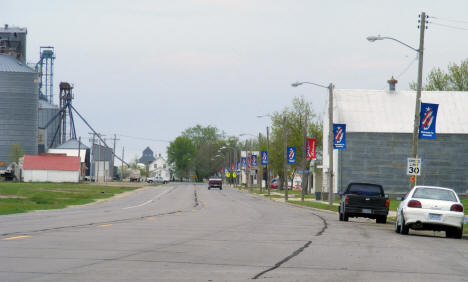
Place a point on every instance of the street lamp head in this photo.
(373, 38)
(296, 84)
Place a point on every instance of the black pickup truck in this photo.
(364, 200)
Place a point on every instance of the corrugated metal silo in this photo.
(46, 112)
(18, 107)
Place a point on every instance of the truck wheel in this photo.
(340, 215)
(381, 219)
(209, 188)
(404, 229)
(345, 216)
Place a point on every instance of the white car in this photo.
(431, 208)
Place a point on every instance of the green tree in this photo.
(206, 141)
(295, 118)
(180, 154)
(455, 79)
(16, 152)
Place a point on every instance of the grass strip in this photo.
(315, 205)
(24, 197)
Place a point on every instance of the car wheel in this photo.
(340, 215)
(381, 219)
(345, 216)
(404, 229)
(454, 233)
(209, 188)
(397, 226)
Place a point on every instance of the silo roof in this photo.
(393, 111)
(10, 64)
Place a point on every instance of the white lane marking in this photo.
(149, 201)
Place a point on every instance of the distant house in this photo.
(148, 156)
(51, 168)
(160, 168)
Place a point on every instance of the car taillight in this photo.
(387, 203)
(456, 208)
(414, 204)
(346, 200)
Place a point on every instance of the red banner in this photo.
(311, 149)
(232, 166)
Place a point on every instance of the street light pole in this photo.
(330, 88)
(304, 158)
(417, 108)
(285, 165)
(268, 160)
(330, 144)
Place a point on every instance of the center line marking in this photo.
(105, 225)
(16, 237)
(149, 201)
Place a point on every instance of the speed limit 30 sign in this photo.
(414, 166)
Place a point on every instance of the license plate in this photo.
(434, 216)
(366, 211)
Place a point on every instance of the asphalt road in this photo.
(183, 232)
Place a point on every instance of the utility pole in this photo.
(304, 157)
(285, 163)
(99, 158)
(113, 155)
(122, 165)
(330, 144)
(268, 160)
(417, 111)
(79, 156)
(93, 163)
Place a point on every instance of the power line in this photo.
(449, 26)
(450, 20)
(404, 70)
(144, 138)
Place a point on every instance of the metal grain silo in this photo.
(18, 107)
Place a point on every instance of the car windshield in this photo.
(365, 190)
(435, 194)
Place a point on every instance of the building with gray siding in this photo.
(379, 137)
(18, 107)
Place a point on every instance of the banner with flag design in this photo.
(427, 124)
(339, 136)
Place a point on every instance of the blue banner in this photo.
(264, 158)
(244, 161)
(427, 123)
(339, 136)
(238, 165)
(291, 155)
(253, 160)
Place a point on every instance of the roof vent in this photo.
(6, 26)
(391, 83)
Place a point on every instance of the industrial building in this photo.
(29, 116)
(51, 168)
(18, 107)
(379, 127)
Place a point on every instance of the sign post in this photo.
(414, 168)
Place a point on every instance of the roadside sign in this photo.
(414, 166)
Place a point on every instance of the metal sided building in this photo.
(379, 129)
(18, 107)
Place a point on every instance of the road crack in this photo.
(296, 252)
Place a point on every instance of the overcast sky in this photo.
(150, 69)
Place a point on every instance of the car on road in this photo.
(431, 208)
(215, 183)
(274, 183)
(364, 200)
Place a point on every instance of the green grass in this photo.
(315, 205)
(23, 197)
